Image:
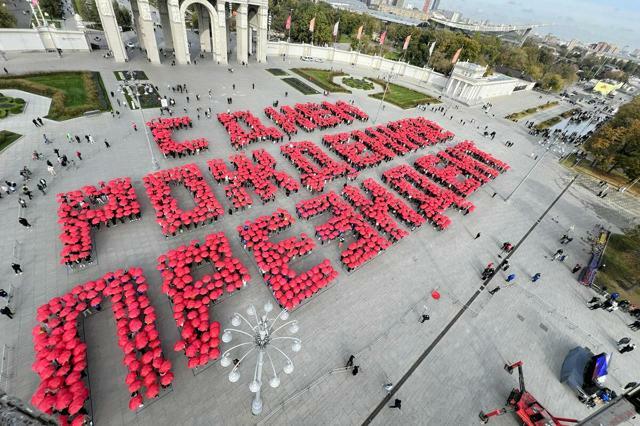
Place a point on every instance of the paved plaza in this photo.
(371, 313)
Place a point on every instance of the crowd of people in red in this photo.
(273, 259)
(260, 173)
(190, 298)
(374, 145)
(241, 137)
(368, 244)
(162, 130)
(169, 215)
(378, 207)
(310, 116)
(432, 200)
(61, 354)
(315, 176)
(447, 175)
(88, 208)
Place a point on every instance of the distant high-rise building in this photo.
(425, 7)
(435, 5)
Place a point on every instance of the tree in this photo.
(123, 17)
(53, 8)
(552, 82)
(7, 20)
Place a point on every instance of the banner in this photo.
(335, 29)
(433, 45)
(287, 25)
(312, 25)
(456, 56)
(382, 37)
(406, 42)
(359, 36)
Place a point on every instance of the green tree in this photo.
(52, 7)
(123, 16)
(7, 20)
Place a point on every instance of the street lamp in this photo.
(135, 86)
(261, 334)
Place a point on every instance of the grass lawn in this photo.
(137, 75)
(301, 86)
(322, 78)
(277, 71)
(622, 273)
(555, 120)
(392, 55)
(403, 96)
(615, 180)
(358, 83)
(7, 138)
(344, 38)
(9, 105)
(72, 93)
(521, 114)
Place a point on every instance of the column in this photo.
(204, 25)
(111, 31)
(178, 32)
(220, 39)
(261, 45)
(147, 33)
(242, 27)
(166, 24)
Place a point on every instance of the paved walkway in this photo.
(372, 313)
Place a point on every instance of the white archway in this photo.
(218, 28)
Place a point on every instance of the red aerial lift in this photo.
(525, 405)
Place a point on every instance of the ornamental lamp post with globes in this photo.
(262, 334)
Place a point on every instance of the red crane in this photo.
(525, 405)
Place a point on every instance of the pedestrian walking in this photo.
(563, 257)
(91, 139)
(107, 144)
(22, 203)
(6, 311)
(505, 265)
(51, 170)
(35, 122)
(4, 294)
(350, 361)
(79, 155)
(388, 387)
(24, 222)
(46, 139)
(17, 269)
(494, 291)
(557, 254)
(627, 348)
(396, 404)
(477, 236)
(26, 191)
(536, 277)
(41, 188)
(511, 277)
(135, 126)
(576, 268)
(635, 325)
(424, 318)
(40, 121)
(355, 370)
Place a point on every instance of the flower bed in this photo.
(289, 287)
(61, 355)
(170, 217)
(314, 178)
(368, 242)
(190, 299)
(89, 208)
(240, 137)
(162, 130)
(259, 173)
